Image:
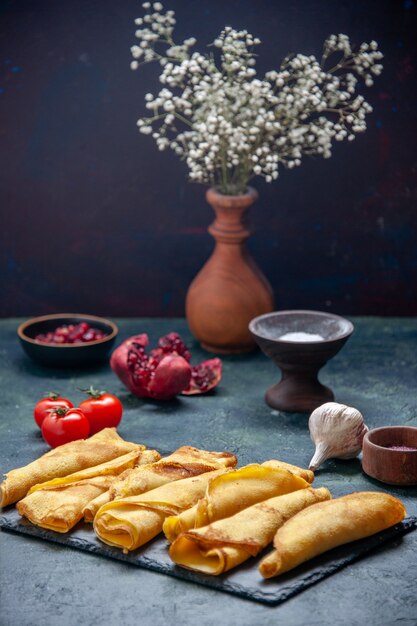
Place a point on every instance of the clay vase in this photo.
(230, 289)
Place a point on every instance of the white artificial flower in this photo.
(228, 125)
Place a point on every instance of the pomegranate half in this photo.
(166, 371)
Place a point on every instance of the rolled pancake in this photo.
(185, 462)
(58, 504)
(308, 475)
(61, 508)
(130, 522)
(224, 544)
(330, 524)
(91, 508)
(63, 460)
(115, 467)
(230, 493)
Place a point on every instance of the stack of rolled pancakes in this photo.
(219, 519)
(214, 515)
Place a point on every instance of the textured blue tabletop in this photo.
(46, 584)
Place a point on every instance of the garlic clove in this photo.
(337, 430)
(320, 455)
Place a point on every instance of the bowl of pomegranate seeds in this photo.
(67, 339)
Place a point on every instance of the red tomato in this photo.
(103, 410)
(64, 425)
(44, 406)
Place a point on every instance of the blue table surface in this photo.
(44, 583)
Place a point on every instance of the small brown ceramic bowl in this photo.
(386, 457)
(66, 354)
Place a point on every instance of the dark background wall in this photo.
(95, 219)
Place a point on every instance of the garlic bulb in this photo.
(337, 430)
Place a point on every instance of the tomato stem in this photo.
(59, 410)
(93, 393)
(51, 394)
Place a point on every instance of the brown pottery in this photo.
(387, 464)
(299, 389)
(230, 289)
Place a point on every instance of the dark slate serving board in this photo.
(245, 581)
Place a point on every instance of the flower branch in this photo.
(237, 126)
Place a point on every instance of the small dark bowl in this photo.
(299, 389)
(70, 354)
(394, 467)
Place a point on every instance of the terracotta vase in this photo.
(230, 289)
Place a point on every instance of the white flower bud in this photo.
(254, 124)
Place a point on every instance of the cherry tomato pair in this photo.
(60, 422)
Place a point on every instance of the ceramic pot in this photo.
(230, 289)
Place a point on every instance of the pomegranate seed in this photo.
(71, 333)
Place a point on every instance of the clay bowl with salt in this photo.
(300, 342)
(390, 454)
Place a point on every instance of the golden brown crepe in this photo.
(329, 524)
(115, 467)
(130, 522)
(58, 504)
(224, 544)
(60, 508)
(183, 463)
(91, 508)
(308, 475)
(230, 493)
(63, 460)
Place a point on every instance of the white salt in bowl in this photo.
(300, 326)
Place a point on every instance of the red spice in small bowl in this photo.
(390, 454)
